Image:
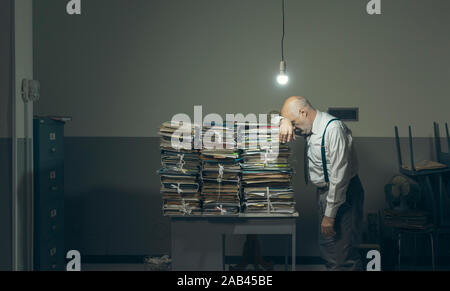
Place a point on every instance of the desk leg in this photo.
(441, 200)
(223, 252)
(286, 252)
(293, 247)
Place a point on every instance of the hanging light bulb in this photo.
(282, 78)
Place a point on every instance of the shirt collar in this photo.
(317, 122)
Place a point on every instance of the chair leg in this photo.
(432, 251)
(399, 250)
(415, 250)
(286, 253)
(436, 245)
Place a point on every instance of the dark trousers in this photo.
(341, 252)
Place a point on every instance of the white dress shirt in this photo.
(342, 163)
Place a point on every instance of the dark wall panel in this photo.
(5, 203)
(5, 134)
(113, 204)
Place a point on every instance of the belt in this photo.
(325, 188)
(322, 189)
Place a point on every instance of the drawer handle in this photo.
(52, 252)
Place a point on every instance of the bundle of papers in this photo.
(412, 219)
(220, 182)
(180, 184)
(220, 171)
(266, 173)
(256, 136)
(216, 137)
(238, 168)
(262, 199)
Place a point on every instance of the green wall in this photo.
(123, 67)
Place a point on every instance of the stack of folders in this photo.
(412, 219)
(180, 173)
(266, 172)
(220, 174)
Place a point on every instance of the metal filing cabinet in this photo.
(48, 194)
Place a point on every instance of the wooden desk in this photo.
(198, 241)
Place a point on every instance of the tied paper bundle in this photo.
(180, 185)
(411, 219)
(220, 172)
(266, 172)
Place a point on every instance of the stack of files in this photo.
(266, 174)
(168, 132)
(272, 195)
(180, 175)
(282, 200)
(216, 137)
(180, 190)
(220, 181)
(412, 219)
(256, 136)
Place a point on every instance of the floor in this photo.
(142, 267)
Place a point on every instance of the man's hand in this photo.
(328, 227)
(286, 131)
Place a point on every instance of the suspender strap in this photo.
(324, 157)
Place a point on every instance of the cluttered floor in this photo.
(144, 267)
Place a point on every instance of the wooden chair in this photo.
(425, 179)
(444, 158)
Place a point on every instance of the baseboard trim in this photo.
(113, 259)
(138, 259)
(279, 260)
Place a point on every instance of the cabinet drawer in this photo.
(51, 142)
(50, 221)
(50, 256)
(50, 184)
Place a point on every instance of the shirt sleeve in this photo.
(338, 154)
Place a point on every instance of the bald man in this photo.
(332, 166)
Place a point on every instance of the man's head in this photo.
(300, 112)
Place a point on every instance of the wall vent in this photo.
(345, 114)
